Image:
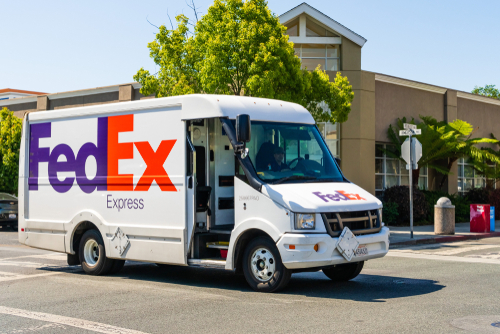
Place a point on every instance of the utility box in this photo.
(492, 219)
(480, 218)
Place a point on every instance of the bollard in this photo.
(444, 217)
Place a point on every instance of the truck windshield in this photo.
(285, 152)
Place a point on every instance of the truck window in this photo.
(281, 150)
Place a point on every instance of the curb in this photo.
(453, 238)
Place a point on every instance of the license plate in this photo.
(12, 216)
(361, 251)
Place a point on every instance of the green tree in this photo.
(441, 141)
(487, 168)
(10, 142)
(488, 90)
(240, 48)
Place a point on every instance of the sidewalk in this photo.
(400, 235)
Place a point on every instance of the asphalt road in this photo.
(447, 288)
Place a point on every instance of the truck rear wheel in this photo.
(262, 266)
(344, 272)
(93, 254)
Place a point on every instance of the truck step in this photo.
(218, 244)
(207, 263)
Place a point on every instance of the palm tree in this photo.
(441, 141)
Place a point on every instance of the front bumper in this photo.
(4, 218)
(304, 256)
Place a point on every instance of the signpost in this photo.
(411, 152)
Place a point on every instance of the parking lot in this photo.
(434, 288)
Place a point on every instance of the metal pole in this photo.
(411, 188)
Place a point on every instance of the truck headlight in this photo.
(305, 221)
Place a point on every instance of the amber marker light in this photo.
(316, 247)
(291, 246)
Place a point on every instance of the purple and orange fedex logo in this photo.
(339, 196)
(107, 152)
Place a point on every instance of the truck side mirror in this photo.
(243, 126)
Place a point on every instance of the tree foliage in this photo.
(240, 48)
(10, 142)
(441, 141)
(488, 90)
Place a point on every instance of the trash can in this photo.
(492, 219)
(480, 218)
(444, 217)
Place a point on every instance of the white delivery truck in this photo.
(236, 183)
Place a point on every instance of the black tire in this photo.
(280, 276)
(101, 264)
(73, 259)
(117, 266)
(344, 272)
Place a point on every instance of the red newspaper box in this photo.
(480, 218)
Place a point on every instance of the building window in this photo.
(312, 55)
(331, 133)
(469, 178)
(392, 172)
(315, 30)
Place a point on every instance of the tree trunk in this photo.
(450, 164)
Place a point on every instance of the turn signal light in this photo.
(291, 246)
(316, 247)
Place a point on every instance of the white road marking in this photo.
(442, 257)
(459, 250)
(36, 328)
(485, 256)
(51, 256)
(27, 264)
(73, 322)
(21, 276)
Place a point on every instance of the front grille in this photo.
(359, 222)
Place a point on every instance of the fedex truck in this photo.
(236, 183)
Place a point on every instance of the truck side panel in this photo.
(127, 168)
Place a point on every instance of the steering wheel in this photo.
(295, 160)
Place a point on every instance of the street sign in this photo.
(416, 151)
(411, 152)
(409, 132)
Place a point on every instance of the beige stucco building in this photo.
(378, 101)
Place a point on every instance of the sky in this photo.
(55, 46)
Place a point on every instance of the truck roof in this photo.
(195, 106)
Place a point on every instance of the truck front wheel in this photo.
(93, 254)
(262, 266)
(344, 272)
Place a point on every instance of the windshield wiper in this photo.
(295, 177)
(329, 180)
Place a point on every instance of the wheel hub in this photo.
(91, 252)
(262, 264)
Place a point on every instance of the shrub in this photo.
(462, 205)
(390, 213)
(478, 195)
(494, 200)
(400, 195)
